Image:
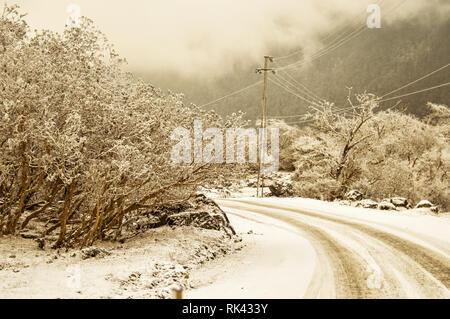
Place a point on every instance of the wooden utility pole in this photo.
(260, 182)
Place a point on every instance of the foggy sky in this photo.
(203, 37)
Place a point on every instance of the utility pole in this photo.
(260, 182)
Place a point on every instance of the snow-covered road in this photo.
(314, 249)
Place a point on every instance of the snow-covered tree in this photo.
(82, 141)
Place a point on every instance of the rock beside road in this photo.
(354, 198)
(92, 252)
(252, 182)
(427, 204)
(281, 188)
(424, 204)
(367, 203)
(280, 185)
(199, 211)
(385, 205)
(201, 219)
(399, 202)
(354, 195)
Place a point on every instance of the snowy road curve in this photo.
(362, 253)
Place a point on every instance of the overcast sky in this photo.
(194, 36)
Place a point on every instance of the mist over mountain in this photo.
(377, 61)
(208, 49)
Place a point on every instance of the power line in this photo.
(334, 46)
(285, 116)
(396, 90)
(413, 82)
(235, 93)
(300, 115)
(293, 93)
(232, 93)
(325, 51)
(306, 89)
(330, 48)
(364, 14)
(416, 92)
(380, 101)
(295, 87)
(250, 86)
(308, 95)
(343, 110)
(326, 37)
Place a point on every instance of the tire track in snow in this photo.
(348, 268)
(429, 260)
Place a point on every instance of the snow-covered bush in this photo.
(382, 154)
(82, 141)
(287, 136)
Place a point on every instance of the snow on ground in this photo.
(307, 248)
(276, 259)
(147, 266)
(276, 263)
(413, 225)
